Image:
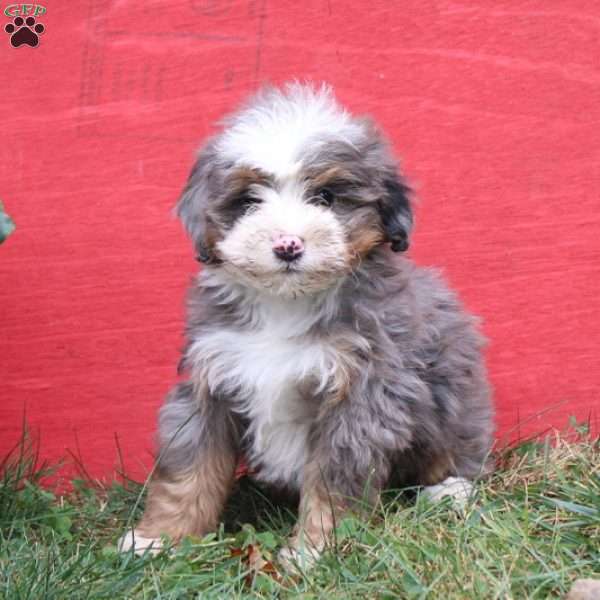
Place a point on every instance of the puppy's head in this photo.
(294, 193)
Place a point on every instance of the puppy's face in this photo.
(294, 194)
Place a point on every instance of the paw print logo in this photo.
(24, 31)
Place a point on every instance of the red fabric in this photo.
(494, 108)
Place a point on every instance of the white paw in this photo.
(139, 543)
(298, 558)
(457, 488)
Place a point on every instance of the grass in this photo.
(532, 530)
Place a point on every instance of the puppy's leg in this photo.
(319, 511)
(195, 470)
(349, 463)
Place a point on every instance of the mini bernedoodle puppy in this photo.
(334, 365)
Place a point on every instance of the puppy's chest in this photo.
(273, 377)
(275, 367)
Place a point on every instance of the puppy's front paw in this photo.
(296, 557)
(457, 488)
(140, 544)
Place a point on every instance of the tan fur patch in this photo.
(364, 233)
(319, 512)
(331, 176)
(347, 364)
(189, 503)
(365, 241)
(212, 236)
(243, 177)
(437, 470)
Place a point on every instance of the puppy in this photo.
(335, 366)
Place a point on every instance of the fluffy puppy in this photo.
(332, 364)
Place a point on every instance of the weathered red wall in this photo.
(494, 107)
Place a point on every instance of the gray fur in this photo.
(373, 179)
(190, 423)
(417, 407)
(421, 394)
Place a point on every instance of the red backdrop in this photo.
(494, 108)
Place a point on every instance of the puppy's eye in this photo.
(325, 197)
(246, 202)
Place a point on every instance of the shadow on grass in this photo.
(259, 506)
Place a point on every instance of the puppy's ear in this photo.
(396, 212)
(192, 207)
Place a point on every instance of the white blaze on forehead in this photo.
(273, 131)
(286, 209)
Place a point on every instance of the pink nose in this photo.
(288, 247)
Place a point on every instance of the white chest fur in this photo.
(264, 367)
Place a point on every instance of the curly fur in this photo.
(334, 375)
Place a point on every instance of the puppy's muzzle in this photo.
(288, 247)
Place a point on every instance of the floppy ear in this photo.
(192, 207)
(396, 212)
